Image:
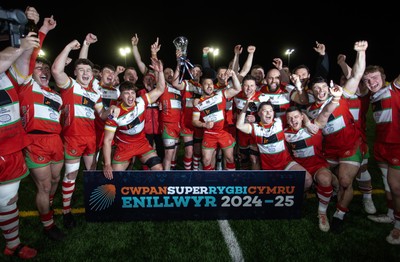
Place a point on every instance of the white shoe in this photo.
(382, 218)
(394, 237)
(369, 206)
(323, 222)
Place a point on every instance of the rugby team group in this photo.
(230, 118)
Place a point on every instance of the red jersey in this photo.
(13, 137)
(78, 108)
(386, 113)
(270, 139)
(229, 118)
(152, 116)
(306, 148)
(212, 109)
(171, 104)
(340, 132)
(190, 91)
(240, 101)
(280, 99)
(109, 96)
(40, 107)
(359, 106)
(130, 122)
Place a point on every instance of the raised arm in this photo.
(322, 66)
(136, 55)
(299, 96)
(154, 48)
(278, 63)
(357, 71)
(48, 25)
(175, 81)
(205, 62)
(90, 39)
(321, 120)
(19, 56)
(346, 69)
(120, 69)
(235, 62)
(58, 67)
(32, 14)
(158, 68)
(237, 87)
(248, 63)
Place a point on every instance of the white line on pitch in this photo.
(234, 249)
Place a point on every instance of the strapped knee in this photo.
(9, 194)
(169, 147)
(70, 168)
(189, 143)
(152, 161)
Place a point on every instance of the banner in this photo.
(193, 195)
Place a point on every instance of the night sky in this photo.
(272, 29)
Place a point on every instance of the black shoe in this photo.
(54, 233)
(337, 225)
(69, 221)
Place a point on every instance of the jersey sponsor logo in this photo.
(211, 110)
(5, 118)
(334, 125)
(214, 117)
(270, 139)
(272, 148)
(110, 94)
(9, 113)
(133, 123)
(88, 112)
(87, 102)
(51, 103)
(298, 144)
(53, 115)
(211, 101)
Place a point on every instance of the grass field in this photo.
(233, 240)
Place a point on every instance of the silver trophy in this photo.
(181, 44)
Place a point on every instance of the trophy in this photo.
(181, 44)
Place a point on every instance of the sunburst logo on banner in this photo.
(102, 197)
